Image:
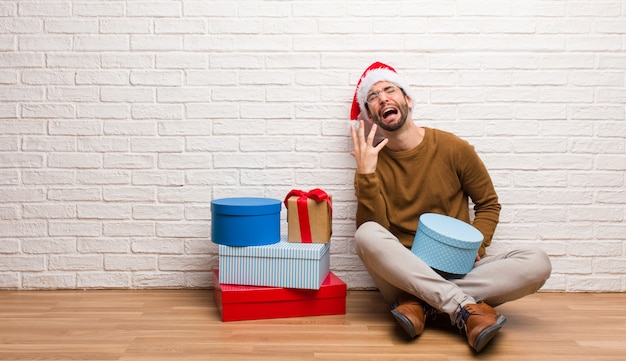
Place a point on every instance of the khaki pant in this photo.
(494, 279)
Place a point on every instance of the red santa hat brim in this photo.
(372, 75)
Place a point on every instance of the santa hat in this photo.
(372, 75)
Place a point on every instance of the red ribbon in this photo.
(317, 195)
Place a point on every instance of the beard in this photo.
(403, 112)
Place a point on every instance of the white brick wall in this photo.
(120, 121)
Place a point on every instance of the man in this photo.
(410, 170)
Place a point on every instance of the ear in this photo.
(369, 114)
(409, 101)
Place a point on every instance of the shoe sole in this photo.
(405, 323)
(488, 334)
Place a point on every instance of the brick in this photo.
(75, 127)
(129, 263)
(154, 9)
(101, 42)
(49, 111)
(103, 211)
(49, 281)
(9, 246)
(122, 94)
(610, 265)
(46, 43)
(75, 228)
(161, 178)
(49, 246)
(189, 95)
(156, 42)
(158, 246)
(597, 9)
(103, 111)
(157, 111)
(10, 280)
(107, 280)
(73, 60)
(185, 161)
(157, 145)
(156, 212)
(181, 26)
(23, 160)
(191, 194)
(31, 263)
(186, 263)
(49, 211)
(74, 160)
(14, 93)
(128, 229)
(104, 177)
(103, 245)
(125, 26)
(195, 212)
(68, 26)
(21, 26)
(159, 280)
(93, 9)
(156, 78)
(592, 283)
(127, 60)
(48, 9)
(21, 195)
(112, 77)
(129, 194)
(77, 94)
(129, 161)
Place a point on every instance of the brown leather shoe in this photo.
(411, 316)
(482, 323)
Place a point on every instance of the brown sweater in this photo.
(437, 176)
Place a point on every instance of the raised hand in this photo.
(365, 153)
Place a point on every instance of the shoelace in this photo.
(461, 317)
(430, 313)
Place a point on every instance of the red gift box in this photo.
(237, 303)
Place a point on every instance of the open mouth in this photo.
(387, 112)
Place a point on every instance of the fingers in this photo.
(355, 138)
(361, 143)
(372, 134)
(359, 135)
(365, 153)
(381, 144)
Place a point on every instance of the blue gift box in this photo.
(282, 264)
(446, 244)
(245, 221)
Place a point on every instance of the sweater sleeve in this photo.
(477, 184)
(370, 201)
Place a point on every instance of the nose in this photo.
(382, 94)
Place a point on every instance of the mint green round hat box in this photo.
(446, 243)
(245, 221)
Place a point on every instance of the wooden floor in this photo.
(185, 325)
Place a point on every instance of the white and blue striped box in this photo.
(282, 264)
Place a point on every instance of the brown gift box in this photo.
(309, 216)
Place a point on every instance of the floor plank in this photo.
(134, 325)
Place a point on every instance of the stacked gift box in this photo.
(263, 274)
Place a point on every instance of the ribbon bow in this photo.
(317, 195)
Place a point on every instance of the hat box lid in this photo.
(446, 243)
(245, 206)
(245, 221)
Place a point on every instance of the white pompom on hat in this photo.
(372, 75)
